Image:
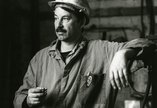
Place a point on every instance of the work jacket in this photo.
(81, 81)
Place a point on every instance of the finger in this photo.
(41, 88)
(37, 90)
(125, 73)
(113, 84)
(112, 80)
(122, 78)
(34, 90)
(117, 80)
(37, 99)
(34, 99)
(35, 102)
(36, 95)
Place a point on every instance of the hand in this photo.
(36, 96)
(118, 70)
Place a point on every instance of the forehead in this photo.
(61, 12)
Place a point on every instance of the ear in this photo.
(82, 23)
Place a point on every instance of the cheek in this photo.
(71, 27)
(71, 30)
(68, 27)
(55, 25)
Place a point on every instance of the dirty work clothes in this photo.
(81, 82)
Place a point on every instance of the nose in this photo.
(60, 24)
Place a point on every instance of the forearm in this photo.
(129, 53)
(20, 100)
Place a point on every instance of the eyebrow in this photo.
(64, 15)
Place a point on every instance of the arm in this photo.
(118, 68)
(22, 93)
(138, 48)
(29, 94)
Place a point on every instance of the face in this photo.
(67, 26)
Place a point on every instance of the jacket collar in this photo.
(54, 48)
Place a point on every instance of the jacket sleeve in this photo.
(144, 47)
(29, 81)
(105, 50)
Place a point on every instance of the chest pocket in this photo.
(90, 89)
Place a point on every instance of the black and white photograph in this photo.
(78, 53)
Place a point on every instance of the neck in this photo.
(68, 46)
(65, 47)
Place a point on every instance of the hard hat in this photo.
(81, 5)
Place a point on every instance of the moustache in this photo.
(60, 30)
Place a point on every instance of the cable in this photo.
(148, 88)
(145, 94)
(142, 20)
(150, 12)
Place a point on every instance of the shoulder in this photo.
(96, 43)
(45, 51)
(41, 55)
(97, 46)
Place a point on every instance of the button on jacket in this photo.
(81, 82)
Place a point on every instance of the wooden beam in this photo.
(113, 3)
(94, 4)
(115, 22)
(110, 12)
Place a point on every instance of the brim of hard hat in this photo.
(70, 6)
(54, 3)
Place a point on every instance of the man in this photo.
(73, 72)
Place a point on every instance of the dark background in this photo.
(20, 39)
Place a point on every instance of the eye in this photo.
(55, 18)
(66, 19)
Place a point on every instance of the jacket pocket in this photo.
(90, 87)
